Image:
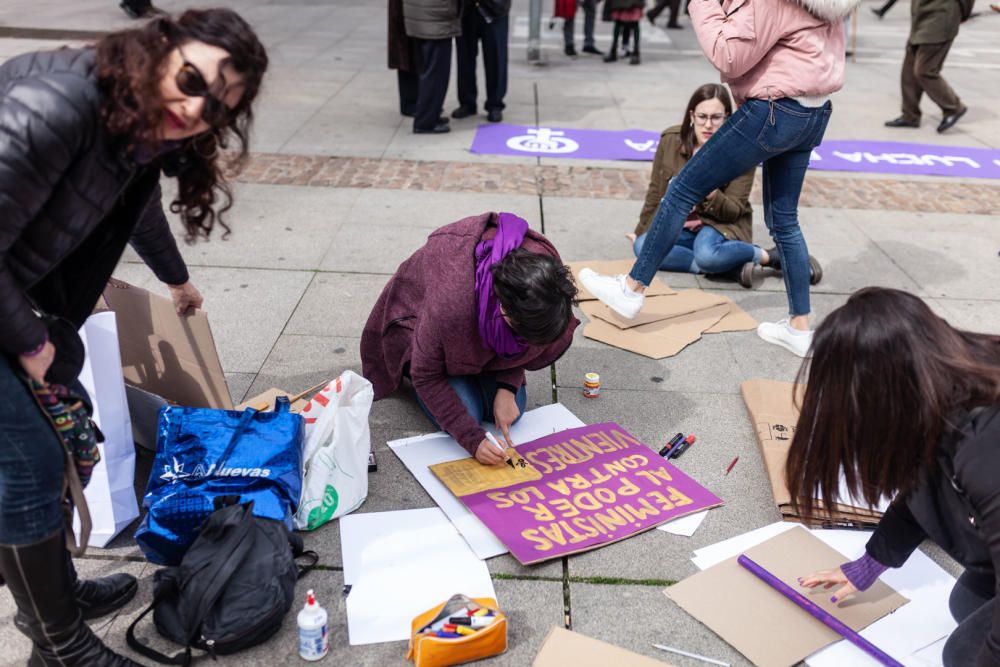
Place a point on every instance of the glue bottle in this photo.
(314, 636)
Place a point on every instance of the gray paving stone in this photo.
(231, 297)
(238, 385)
(982, 316)
(532, 608)
(336, 304)
(295, 363)
(635, 617)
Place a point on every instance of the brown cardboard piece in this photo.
(264, 401)
(172, 356)
(658, 308)
(656, 340)
(761, 623)
(611, 268)
(563, 647)
(773, 413)
(737, 320)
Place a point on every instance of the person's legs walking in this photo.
(634, 60)
(569, 25)
(657, 9)
(435, 70)
(928, 61)
(613, 51)
(680, 259)
(675, 10)
(409, 90)
(466, 52)
(731, 151)
(494, 37)
(910, 87)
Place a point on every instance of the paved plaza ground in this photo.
(340, 191)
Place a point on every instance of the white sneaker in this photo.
(614, 292)
(781, 333)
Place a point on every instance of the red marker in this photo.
(683, 447)
(731, 465)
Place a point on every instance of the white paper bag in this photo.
(338, 440)
(111, 492)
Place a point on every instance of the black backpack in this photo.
(231, 590)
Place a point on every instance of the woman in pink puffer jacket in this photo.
(783, 59)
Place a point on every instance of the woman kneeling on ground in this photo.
(717, 234)
(86, 133)
(909, 408)
(482, 301)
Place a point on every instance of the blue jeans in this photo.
(31, 464)
(780, 134)
(704, 251)
(478, 393)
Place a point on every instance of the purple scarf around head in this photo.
(493, 328)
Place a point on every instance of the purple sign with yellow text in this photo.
(574, 491)
(882, 157)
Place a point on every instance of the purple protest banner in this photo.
(883, 157)
(574, 491)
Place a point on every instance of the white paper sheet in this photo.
(426, 450)
(911, 634)
(399, 565)
(684, 526)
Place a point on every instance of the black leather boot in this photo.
(100, 597)
(47, 611)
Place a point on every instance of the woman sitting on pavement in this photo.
(717, 234)
(482, 301)
(908, 407)
(86, 135)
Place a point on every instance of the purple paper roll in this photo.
(823, 616)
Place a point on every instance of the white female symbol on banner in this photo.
(543, 140)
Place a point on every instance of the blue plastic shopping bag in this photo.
(202, 454)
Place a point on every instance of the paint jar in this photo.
(591, 385)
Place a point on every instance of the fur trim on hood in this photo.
(830, 10)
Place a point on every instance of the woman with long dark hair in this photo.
(783, 59)
(718, 233)
(86, 134)
(905, 406)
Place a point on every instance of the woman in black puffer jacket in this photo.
(84, 136)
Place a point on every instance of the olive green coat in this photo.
(432, 19)
(728, 213)
(934, 21)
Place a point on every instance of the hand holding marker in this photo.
(503, 450)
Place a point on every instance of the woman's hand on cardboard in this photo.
(505, 413)
(185, 296)
(37, 365)
(828, 579)
(488, 454)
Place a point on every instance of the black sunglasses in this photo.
(191, 82)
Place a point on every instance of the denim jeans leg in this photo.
(470, 392)
(680, 259)
(31, 465)
(589, 16)
(488, 390)
(731, 151)
(715, 254)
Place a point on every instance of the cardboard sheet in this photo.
(419, 453)
(736, 320)
(563, 647)
(468, 476)
(611, 268)
(659, 308)
(598, 484)
(172, 356)
(400, 564)
(264, 401)
(909, 634)
(656, 340)
(773, 412)
(761, 623)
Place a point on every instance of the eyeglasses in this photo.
(192, 83)
(716, 118)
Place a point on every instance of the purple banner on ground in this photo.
(882, 157)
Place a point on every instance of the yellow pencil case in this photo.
(429, 650)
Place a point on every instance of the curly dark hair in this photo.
(537, 294)
(130, 65)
